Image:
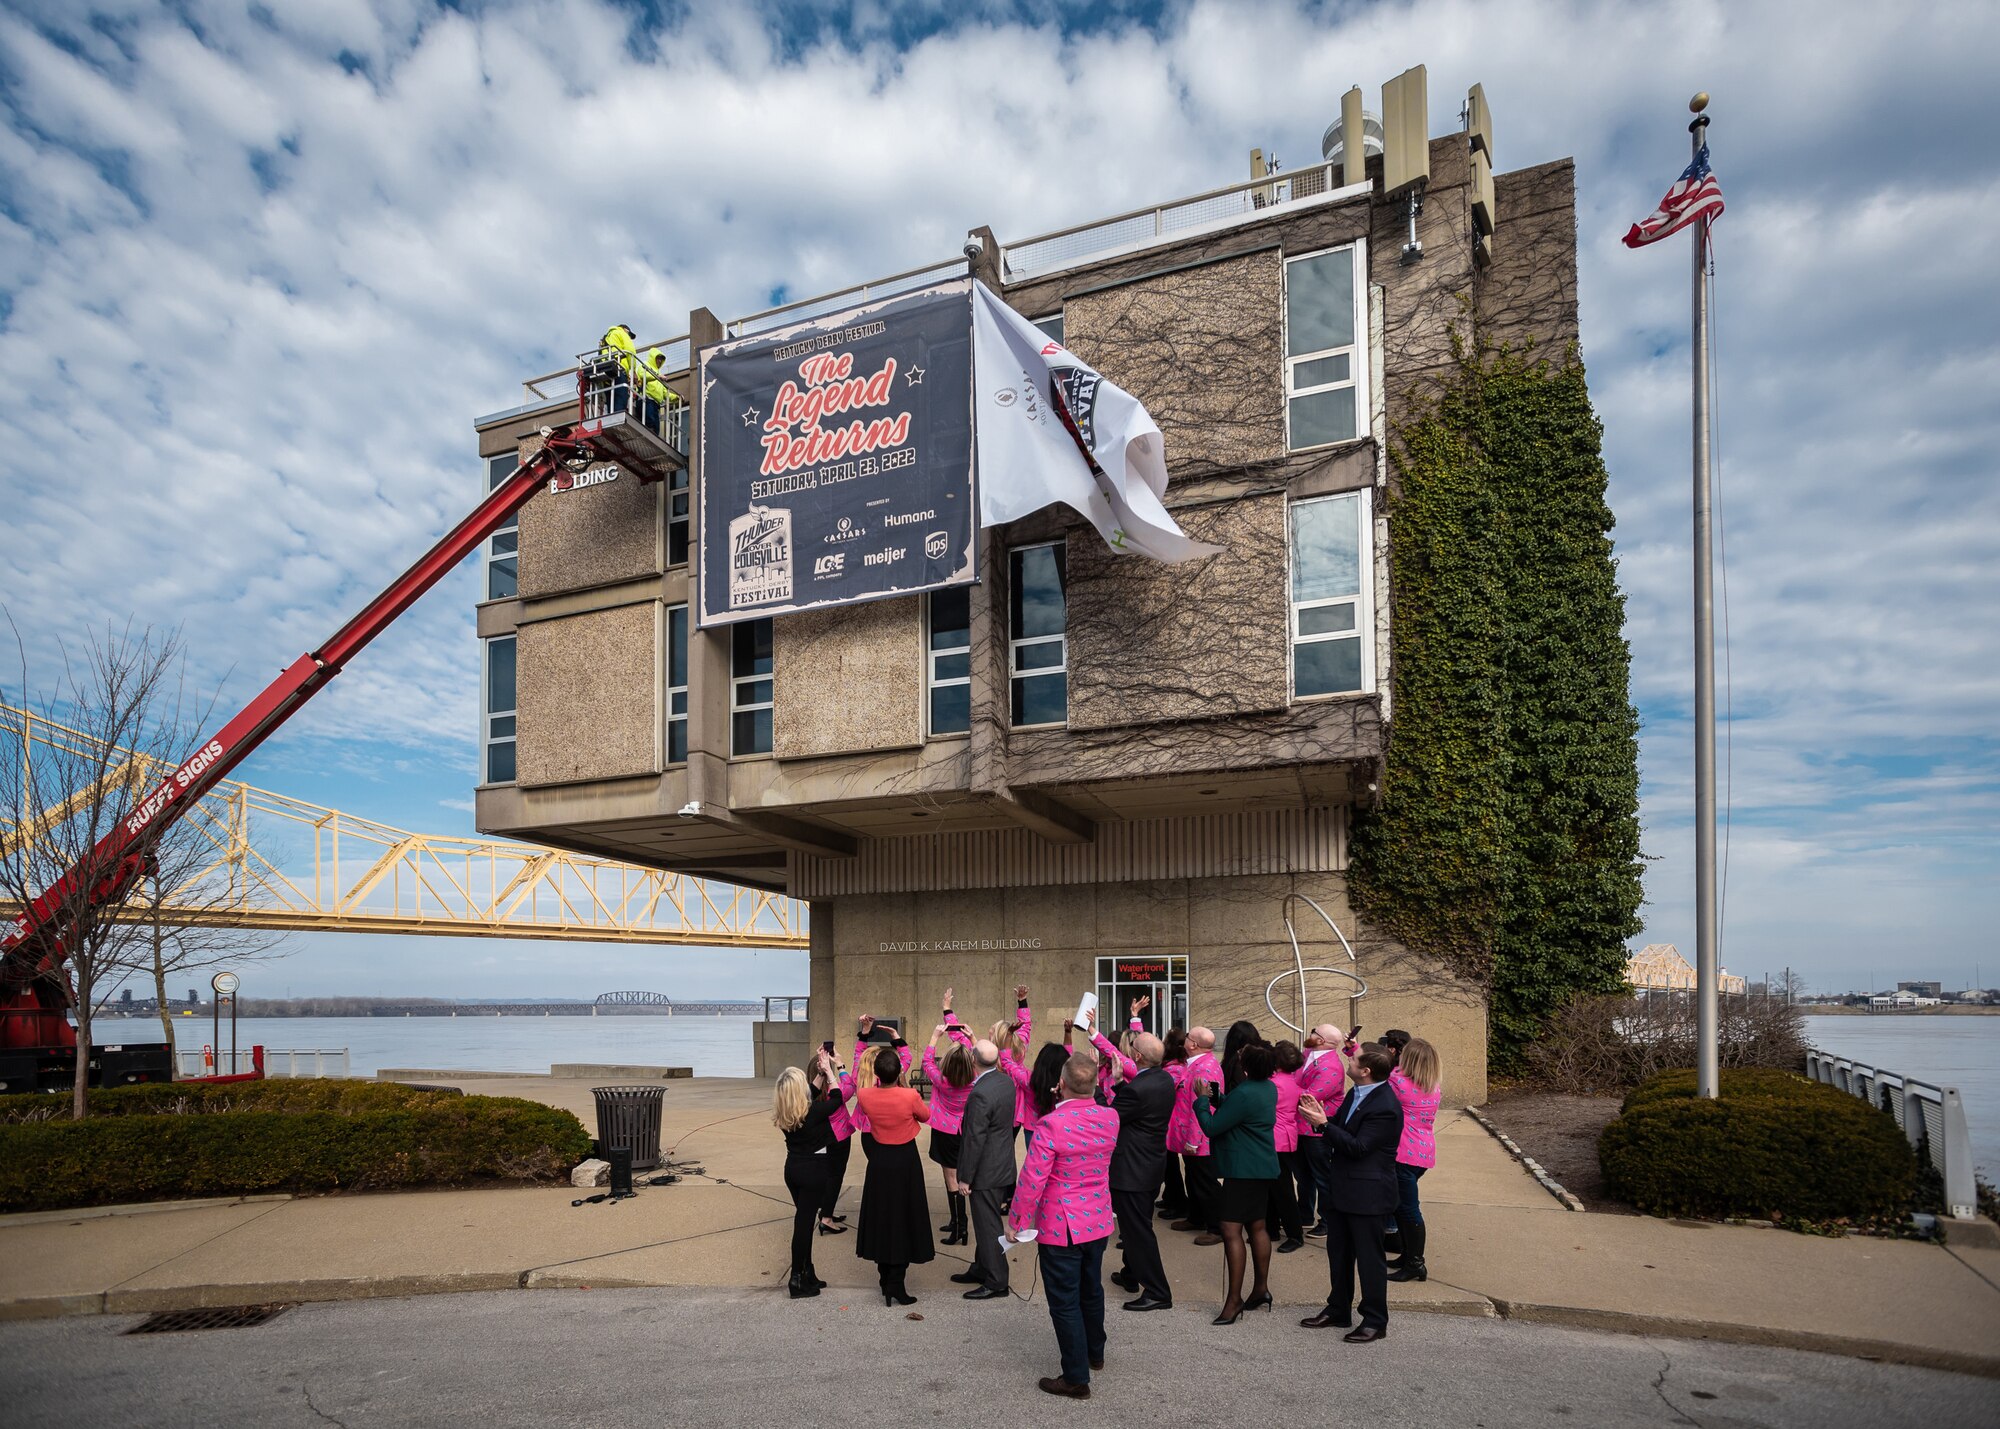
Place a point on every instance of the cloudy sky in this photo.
(261, 266)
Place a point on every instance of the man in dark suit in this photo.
(1361, 1138)
(986, 1170)
(1138, 1165)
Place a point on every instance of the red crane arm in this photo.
(33, 949)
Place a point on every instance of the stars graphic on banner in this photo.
(915, 376)
(750, 416)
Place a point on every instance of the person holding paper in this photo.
(1064, 1196)
(986, 1169)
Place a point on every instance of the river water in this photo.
(1962, 1052)
(713, 1046)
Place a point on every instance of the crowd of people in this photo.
(1322, 1140)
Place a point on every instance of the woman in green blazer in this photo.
(1243, 1145)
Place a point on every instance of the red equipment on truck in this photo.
(37, 1042)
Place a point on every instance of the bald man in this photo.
(1145, 1105)
(986, 1169)
(1324, 1076)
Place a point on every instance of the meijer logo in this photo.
(884, 557)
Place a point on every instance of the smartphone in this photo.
(827, 1047)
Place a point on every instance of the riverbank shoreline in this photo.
(1814, 1009)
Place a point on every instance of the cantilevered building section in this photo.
(1085, 770)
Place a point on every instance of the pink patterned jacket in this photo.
(1065, 1187)
(857, 1118)
(1324, 1076)
(947, 1101)
(1420, 1109)
(1108, 1056)
(1285, 1132)
(1184, 1133)
(1025, 1114)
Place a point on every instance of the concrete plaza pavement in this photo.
(1500, 1247)
(729, 1357)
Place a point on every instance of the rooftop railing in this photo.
(1932, 1117)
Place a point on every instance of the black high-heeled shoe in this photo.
(1228, 1319)
(890, 1297)
(825, 1229)
(1258, 1302)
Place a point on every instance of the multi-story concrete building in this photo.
(1087, 771)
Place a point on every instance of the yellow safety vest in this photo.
(656, 389)
(616, 344)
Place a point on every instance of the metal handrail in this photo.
(1300, 969)
(533, 384)
(1906, 1102)
(737, 327)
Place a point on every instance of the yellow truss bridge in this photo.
(284, 864)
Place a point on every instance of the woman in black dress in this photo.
(895, 1217)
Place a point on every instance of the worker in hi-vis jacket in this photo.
(618, 348)
(657, 393)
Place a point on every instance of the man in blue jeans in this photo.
(1064, 1196)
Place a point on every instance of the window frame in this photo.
(1358, 362)
(1362, 601)
(512, 530)
(933, 653)
(1015, 675)
(680, 491)
(677, 694)
(1055, 317)
(488, 740)
(739, 705)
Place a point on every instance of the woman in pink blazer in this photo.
(1418, 1082)
(1011, 1035)
(1284, 1197)
(951, 1083)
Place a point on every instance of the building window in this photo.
(949, 661)
(1052, 325)
(677, 684)
(1325, 360)
(677, 518)
(1037, 657)
(497, 719)
(1332, 646)
(1122, 979)
(503, 548)
(750, 687)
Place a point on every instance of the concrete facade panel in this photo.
(848, 680)
(1150, 641)
(588, 693)
(595, 536)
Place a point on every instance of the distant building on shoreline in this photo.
(1660, 967)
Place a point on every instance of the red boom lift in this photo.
(37, 1042)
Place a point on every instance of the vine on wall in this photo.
(1506, 835)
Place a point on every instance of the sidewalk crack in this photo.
(1681, 1416)
(226, 1230)
(306, 1390)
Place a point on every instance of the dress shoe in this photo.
(825, 1229)
(1365, 1335)
(1097, 1363)
(1228, 1317)
(802, 1286)
(1061, 1386)
(894, 1297)
(1186, 1225)
(1208, 1238)
(1317, 1232)
(1290, 1244)
(984, 1292)
(1261, 1301)
(1147, 1302)
(1411, 1269)
(1125, 1280)
(1327, 1320)
(968, 1277)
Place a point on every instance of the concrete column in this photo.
(824, 1017)
(708, 650)
(988, 688)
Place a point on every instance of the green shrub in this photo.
(199, 1098)
(1774, 1146)
(434, 1139)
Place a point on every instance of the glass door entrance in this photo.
(1122, 979)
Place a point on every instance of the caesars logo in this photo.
(936, 544)
(845, 530)
(578, 480)
(832, 565)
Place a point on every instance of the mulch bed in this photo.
(1560, 1132)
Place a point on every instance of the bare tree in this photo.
(117, 723)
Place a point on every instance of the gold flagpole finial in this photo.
(1698, 103)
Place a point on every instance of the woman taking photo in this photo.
(1173, 1191)
(1418, 1082)
(951, 1083)
(895, 1217)
(803, 1108)
(1044, 1089)
(1284, 1195)
(1241, 1136)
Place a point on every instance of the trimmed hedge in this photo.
(435, 1139)
(196, 1098)
(1774, 1146)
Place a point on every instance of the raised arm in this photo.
(1023, 1014)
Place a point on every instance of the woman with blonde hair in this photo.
(802, 1108)
(1418, 1082)
(951, 1083)
(1011, 1036)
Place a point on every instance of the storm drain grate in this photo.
(213, 1317)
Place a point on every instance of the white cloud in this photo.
(254, 295)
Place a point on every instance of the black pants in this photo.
(1311, 1162)
(1355, 1243)
(987, 1220)
(1204, 1194)
(836, 1172)
(1134, 1210)
(1173, 1193)
(1285, 1200)
(806, 1178)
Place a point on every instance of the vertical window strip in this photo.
(948, 661)
(750, 687)
(497, 717)
(677, 684)
(503, 560)
(1332, 580)
(1326, 354)
(1038, 643)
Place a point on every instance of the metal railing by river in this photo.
(1932, 1117)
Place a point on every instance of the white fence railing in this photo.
(1932, 1117)
(278, 1062)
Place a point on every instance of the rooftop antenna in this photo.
(1406, 147)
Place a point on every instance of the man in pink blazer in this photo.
(1064, 1195)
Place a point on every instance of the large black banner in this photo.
(836, 459)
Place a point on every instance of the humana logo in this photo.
(909, 518)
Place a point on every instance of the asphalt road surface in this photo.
(704, 1357)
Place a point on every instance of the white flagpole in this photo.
(1707, 926)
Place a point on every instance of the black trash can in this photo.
(630, 1117)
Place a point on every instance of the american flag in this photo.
(1695, 195)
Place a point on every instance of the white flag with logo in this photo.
(1107, 459)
